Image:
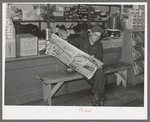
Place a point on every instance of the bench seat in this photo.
(59, 77)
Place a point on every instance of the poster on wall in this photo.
(76, 59)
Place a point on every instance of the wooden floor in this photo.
(132, 96)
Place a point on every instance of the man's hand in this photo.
(101, 67)
(70, 70)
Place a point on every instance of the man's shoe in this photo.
(101, 103)
(101, 99)
(95, 100)
(98, 100)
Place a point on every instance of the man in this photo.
(91, 44)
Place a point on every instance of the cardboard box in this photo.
(57, 8)
(58, 13)
(10, 48)
(117, 42)
(26, 44)
(28, 15)
(42, 44)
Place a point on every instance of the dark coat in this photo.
(83, 44)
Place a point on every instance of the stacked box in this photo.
(106, 44)
(26, 44)
(136, 23)
(58, 15)
(116, 43)
(57, 8)
(71, 13)
(139, 7)
(112, 43)
(136, 20)
(76, 13)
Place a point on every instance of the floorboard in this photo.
(115, 95)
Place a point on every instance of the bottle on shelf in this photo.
(48, 34)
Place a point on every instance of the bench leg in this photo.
(47, 93)
(57, 86)
(122, 76)
(44, 92)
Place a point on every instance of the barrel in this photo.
(114, 22)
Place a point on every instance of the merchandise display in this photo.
(136, 19)
(10, 42)
(133, 53)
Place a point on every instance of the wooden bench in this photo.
(59, 77)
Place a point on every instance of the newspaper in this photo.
(76, 59)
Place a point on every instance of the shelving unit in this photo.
(131, 54)
(52, 20)
(49, 20)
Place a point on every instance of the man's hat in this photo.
(61, 27)
(97, 28)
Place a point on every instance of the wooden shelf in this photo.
(134, 31)
(139, 44)
(134, 76)
(29, 20)
(57, 21)
(139, 59)
(104, 5)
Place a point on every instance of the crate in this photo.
(26, 44)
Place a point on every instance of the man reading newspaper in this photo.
(91, 45)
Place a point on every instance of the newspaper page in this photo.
(76, 59)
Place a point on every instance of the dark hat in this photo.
(97, 28)
(62, 27)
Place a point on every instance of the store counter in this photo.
(21, 84)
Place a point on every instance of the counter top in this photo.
(109, 50)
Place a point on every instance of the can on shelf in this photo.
(48, 33)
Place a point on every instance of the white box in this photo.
(58, 8)
(42, 44)
(28, 15)
(10, 48)
(26, 44)
(58, 13)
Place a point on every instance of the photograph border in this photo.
(68, 110)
